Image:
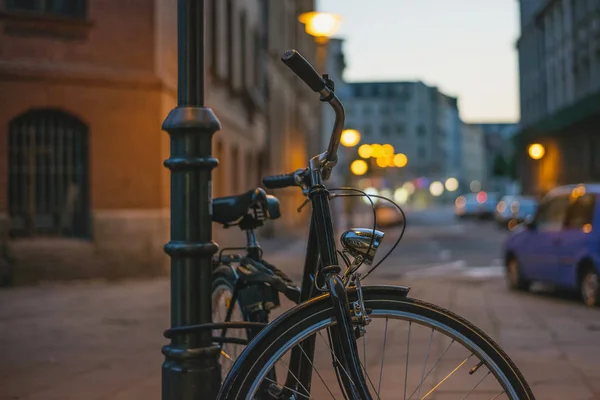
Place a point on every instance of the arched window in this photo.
(48, 191)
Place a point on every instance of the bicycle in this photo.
(329, 300)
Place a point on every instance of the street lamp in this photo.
(320, 25)
(536, 151)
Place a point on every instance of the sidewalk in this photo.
(102, 341)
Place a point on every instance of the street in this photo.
(96, 340)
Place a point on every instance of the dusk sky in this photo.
(465, 47)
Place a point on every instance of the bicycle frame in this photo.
(321, 257)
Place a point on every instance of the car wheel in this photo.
(514, 276)
(590, 290)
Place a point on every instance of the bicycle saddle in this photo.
(229, 209)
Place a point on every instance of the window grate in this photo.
(48, 175)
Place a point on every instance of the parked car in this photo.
(479, 205)
(512, 210)
(559, 245)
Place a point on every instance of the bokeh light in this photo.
(409, 186)
(451, 184)
(350, 138)
(382, 161)
(359, 167)
(370, 190)
(377, 150)
(475, 186)
(401, 195)
(365, 151)
(400, 160)
(536, 151)
(436, 188)
(387, 150)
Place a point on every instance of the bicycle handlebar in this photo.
(307, 73)
(279, 181)
(304, 70)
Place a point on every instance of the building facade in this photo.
(559, 69)
(473, 158)
(85, 89)
(415, 119)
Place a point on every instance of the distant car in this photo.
(512, 210)
(560, 244)
(387, 215)
(479, 205)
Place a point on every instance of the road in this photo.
(434, 240)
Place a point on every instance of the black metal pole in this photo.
(191, 370)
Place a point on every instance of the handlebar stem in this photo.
(329, 159)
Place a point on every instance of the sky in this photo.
(464, 47)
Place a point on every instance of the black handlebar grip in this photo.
(279, 181)
(303, 69)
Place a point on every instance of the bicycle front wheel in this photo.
(454, 359)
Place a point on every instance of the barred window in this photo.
(65, 8)
(48, 192)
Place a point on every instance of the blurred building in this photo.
(499, 150)
(415, 119)
(85, 89)
(293, 123)
(559, 68)
(473, 158)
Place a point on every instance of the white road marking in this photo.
(459, 269)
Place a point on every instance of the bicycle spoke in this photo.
(446, 377)
(434, 365)
(317, 371)
(407, 354)
(498, 395)
(424, 365)
(475, 387)
(346, 372)
(288, 388)
(382, 356)
(295, 377)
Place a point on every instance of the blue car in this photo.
(559, 244)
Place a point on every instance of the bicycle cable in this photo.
(402, 231)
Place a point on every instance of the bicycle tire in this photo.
(224, 275)
(256, 356)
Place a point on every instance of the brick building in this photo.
(84, 88)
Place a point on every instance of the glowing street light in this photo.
(400, 160)
(382, 161)
(377, 150)
(359, 167)
(320, 25)
(387, 150)
(536, 151)
(451, 184)
(365, 150)
(350, 137)
(436, 188)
